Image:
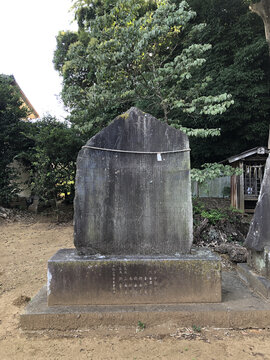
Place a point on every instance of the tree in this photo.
(141, 53)
(156, 55)
(262, 8)
(52, 159)
(12, 140)
(238, 64)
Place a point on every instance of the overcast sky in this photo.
(27, 32)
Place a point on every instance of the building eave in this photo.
(261, 150)
(25, 99)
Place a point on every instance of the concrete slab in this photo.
(136, 279)
(240, 308)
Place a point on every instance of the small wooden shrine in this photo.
(245, 188)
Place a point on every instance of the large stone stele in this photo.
(259, 232)
(133, 223)
(258, 238)
(133, 191)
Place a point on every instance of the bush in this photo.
(52, 160)
(12, 139)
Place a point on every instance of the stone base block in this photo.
(240, 308)
(128, 280)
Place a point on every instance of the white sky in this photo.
(27, 41)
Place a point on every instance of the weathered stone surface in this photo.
(240, 308)
(256, 282)
(259, 261)
(259, 232)
(134, 203)
(116, 280)
(236, 252)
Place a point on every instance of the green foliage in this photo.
(199, 133)
(53, 159)
(141, 325)
(249, 2)
(136, 53)
(196, 328)
(226, 191)
(238, 64)
(213, 216)
(64, 40)
(212, 171)
(198, 207)
(47, 148)
(12, 141)
(157, 55)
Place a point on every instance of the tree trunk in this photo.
(262, 8)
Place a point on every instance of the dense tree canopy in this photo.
(142, 53)
(52, 159)
(159, 56)
(239, 65)
(262, 8)
(12, 140)
(47, 148)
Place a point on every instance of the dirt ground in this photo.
(25, 247)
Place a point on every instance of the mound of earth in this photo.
(220, 227)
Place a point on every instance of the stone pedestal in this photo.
(127, 280)
(240, 308)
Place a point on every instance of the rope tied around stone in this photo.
(137, 152)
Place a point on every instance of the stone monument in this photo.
(133, 222)
(258, 241)
(258, 238)
(133, 192)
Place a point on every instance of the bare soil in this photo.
(25, 247)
